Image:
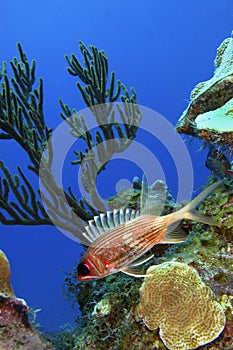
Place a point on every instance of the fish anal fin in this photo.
(134, 271)
(175, 236)
(142, 260)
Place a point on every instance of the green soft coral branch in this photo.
(21, 111)
(97, 95)
(27, 209)
(118, 125)
(22, 120)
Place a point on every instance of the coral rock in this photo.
(15, 329)
(175, 300)
(209, 114)
(102, 308)
(5, 274)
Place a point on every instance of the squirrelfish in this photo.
(119, 240)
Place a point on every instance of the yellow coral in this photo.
(5, 273)
(175, 300)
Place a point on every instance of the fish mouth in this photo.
(88, 278)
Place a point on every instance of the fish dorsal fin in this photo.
(106, 221)
(143, 195)
(153, 198)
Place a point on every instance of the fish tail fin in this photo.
(190, 212)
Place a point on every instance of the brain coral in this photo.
(5, 285)
(175, 300)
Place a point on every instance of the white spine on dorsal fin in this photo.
(110, 220)
(99, 225)
(107, 221)
(103, 219)
(127, 214)
(122, 216)
(94, 229)
(88, 234)
(134, 214)
(116, 217)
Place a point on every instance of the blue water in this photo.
(161, 47)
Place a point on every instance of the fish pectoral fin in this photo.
(175, 236)
(134, 271)
(142, 260)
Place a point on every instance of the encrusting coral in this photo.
(16, 332)
(175, 300)
(209, 113)
(5, 275)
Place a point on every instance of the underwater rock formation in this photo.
(5, 275)
(175, 300)
(209, 114)
(16, 332)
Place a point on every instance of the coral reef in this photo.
(16, 332)
(209, 113)
(175, 300)
(108, 306)
(208, 249)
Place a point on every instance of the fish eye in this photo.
(83, 269)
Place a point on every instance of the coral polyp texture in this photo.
(5, 274)
(176, 300)
(210, 112)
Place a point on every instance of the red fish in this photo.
(119, 239)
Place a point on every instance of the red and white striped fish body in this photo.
(117, 239)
